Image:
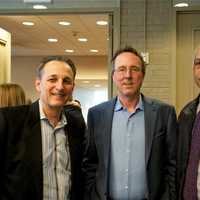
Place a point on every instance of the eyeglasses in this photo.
(133, 69)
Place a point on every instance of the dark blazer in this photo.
(160, 152)
(185, 125)
(21, 175)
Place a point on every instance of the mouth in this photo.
(59, 95)
(128, 84)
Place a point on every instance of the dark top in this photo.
(21, 175)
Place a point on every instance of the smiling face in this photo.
(128, 75)
(55, 85)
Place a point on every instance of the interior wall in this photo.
(23, 71)
(146, 25)
(110, 7)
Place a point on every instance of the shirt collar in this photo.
(62, 122)
(139, 106)
(198, 106)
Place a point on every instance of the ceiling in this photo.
(33, 40)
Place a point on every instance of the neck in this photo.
(53, 115)
(129, 103)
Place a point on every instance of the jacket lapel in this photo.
(33, 142)
(107, 117)
(189, 115)
(150, 120)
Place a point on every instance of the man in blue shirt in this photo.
(131, 140)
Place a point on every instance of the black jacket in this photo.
(21, 175)
(185, 125)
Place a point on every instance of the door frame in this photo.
(5, 43)
(175, 13)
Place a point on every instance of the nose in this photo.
(59, 84)
(128, 73)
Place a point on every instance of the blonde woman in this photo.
(11, 94)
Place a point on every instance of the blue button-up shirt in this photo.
(127, 169)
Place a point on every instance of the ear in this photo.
(113, 76)
(37, 85)
(73, 86)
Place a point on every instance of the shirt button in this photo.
(126, 187)
(127, 151)
(126, 170)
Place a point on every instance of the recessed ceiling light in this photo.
(64, 23)
(85, 81)
(28, 23)
(37, 1)
(82, 39)
(181, 5)
(97, 85)
(69, 50)
(102, 23)
(52, 40)
(94, 50)
(39, 7)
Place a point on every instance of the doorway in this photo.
(188, 38)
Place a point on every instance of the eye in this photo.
(52, 80)
(135, 69)
(121, 69)
(197, 61)
(67, 81)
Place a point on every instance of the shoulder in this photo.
(74, 115)
(73, 110)
(12, 120)
(188, 111)
(20, 113)
(15, 112)
(157, 103)
(190, 106)
(104, 105)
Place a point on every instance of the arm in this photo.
(11, 168)
(90, 160)
(170, 169)
(5, 187)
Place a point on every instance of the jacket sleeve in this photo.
(12, 178)
(6, 180)
(170, 169)
(4, 194)
(90, 160)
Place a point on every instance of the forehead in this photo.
(57, 68)
(127, 58)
